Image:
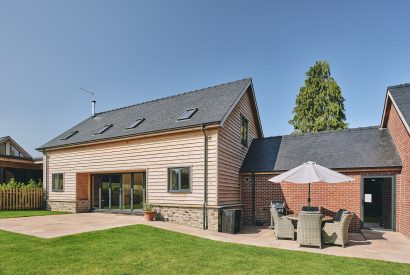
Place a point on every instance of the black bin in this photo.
(231, 220)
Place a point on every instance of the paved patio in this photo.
(379, 245)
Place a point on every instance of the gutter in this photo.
(130, 136)
(205, 210)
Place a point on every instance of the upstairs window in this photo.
(69, 135)
(179, 179)
(2, 148)
(58, 182)
(244, 131)
(103, 129)
(14, 152)
(187, 114)
(135, 123)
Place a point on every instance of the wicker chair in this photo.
(284, 228)
(338, 231)
(309, 229)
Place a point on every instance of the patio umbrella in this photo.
(310, 172)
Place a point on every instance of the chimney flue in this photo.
(93, 107)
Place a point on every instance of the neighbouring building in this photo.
(188, 156)
(16, 163)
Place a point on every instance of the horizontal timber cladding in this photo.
(401, 139)
(231, 152)
(153, 154)
(257, 196)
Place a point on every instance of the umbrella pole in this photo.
(309, 198)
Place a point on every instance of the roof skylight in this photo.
(103, 129)
(135, 123)
(69, 135)
(188, 114)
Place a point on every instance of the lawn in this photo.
(27, 213)
(143, 249)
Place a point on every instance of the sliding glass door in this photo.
(138, 190)
(126, 191)
(118, 191)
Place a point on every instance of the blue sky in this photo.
(133, 51)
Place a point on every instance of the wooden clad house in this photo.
(16, 163)
(181, 153)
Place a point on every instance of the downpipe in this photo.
(205, 204)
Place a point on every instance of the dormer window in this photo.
(135, 123)
(187, 114)
(69, 135)
(103, 129)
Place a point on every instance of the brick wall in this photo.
(331, 197)
(401, 140)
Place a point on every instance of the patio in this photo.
(379, 245)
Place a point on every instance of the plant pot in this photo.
(149, 215)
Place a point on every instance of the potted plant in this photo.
(149, 212)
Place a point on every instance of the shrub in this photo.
(13, 184)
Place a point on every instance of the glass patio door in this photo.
(118, 191)
(126, 191)
(115, 181)
(138, 190)
(105, 192)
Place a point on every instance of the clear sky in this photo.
(133, 51)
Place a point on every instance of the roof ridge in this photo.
(324, 132)
(398, 86)
(176, 95)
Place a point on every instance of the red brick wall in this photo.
(401, 140)
(330, 197)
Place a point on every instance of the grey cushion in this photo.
(339, 214)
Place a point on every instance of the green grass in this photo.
(27, 213)
(143, 249)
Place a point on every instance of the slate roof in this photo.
(401, 95)
(350, 148)
(213, 105)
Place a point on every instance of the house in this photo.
(181, 153)
(16, 163)
(194, 154)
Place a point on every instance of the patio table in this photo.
(294, 217)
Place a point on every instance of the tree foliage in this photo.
(319, 105)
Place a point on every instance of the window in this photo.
(69, 135)
(14, 152)
(58, 182)
(103, 129)
(135, 123)
(188, 114)
(2, 148)
(244, 131)
(179, 179)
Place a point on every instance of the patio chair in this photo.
(284, 228)
(337, 232)
(309, 229)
